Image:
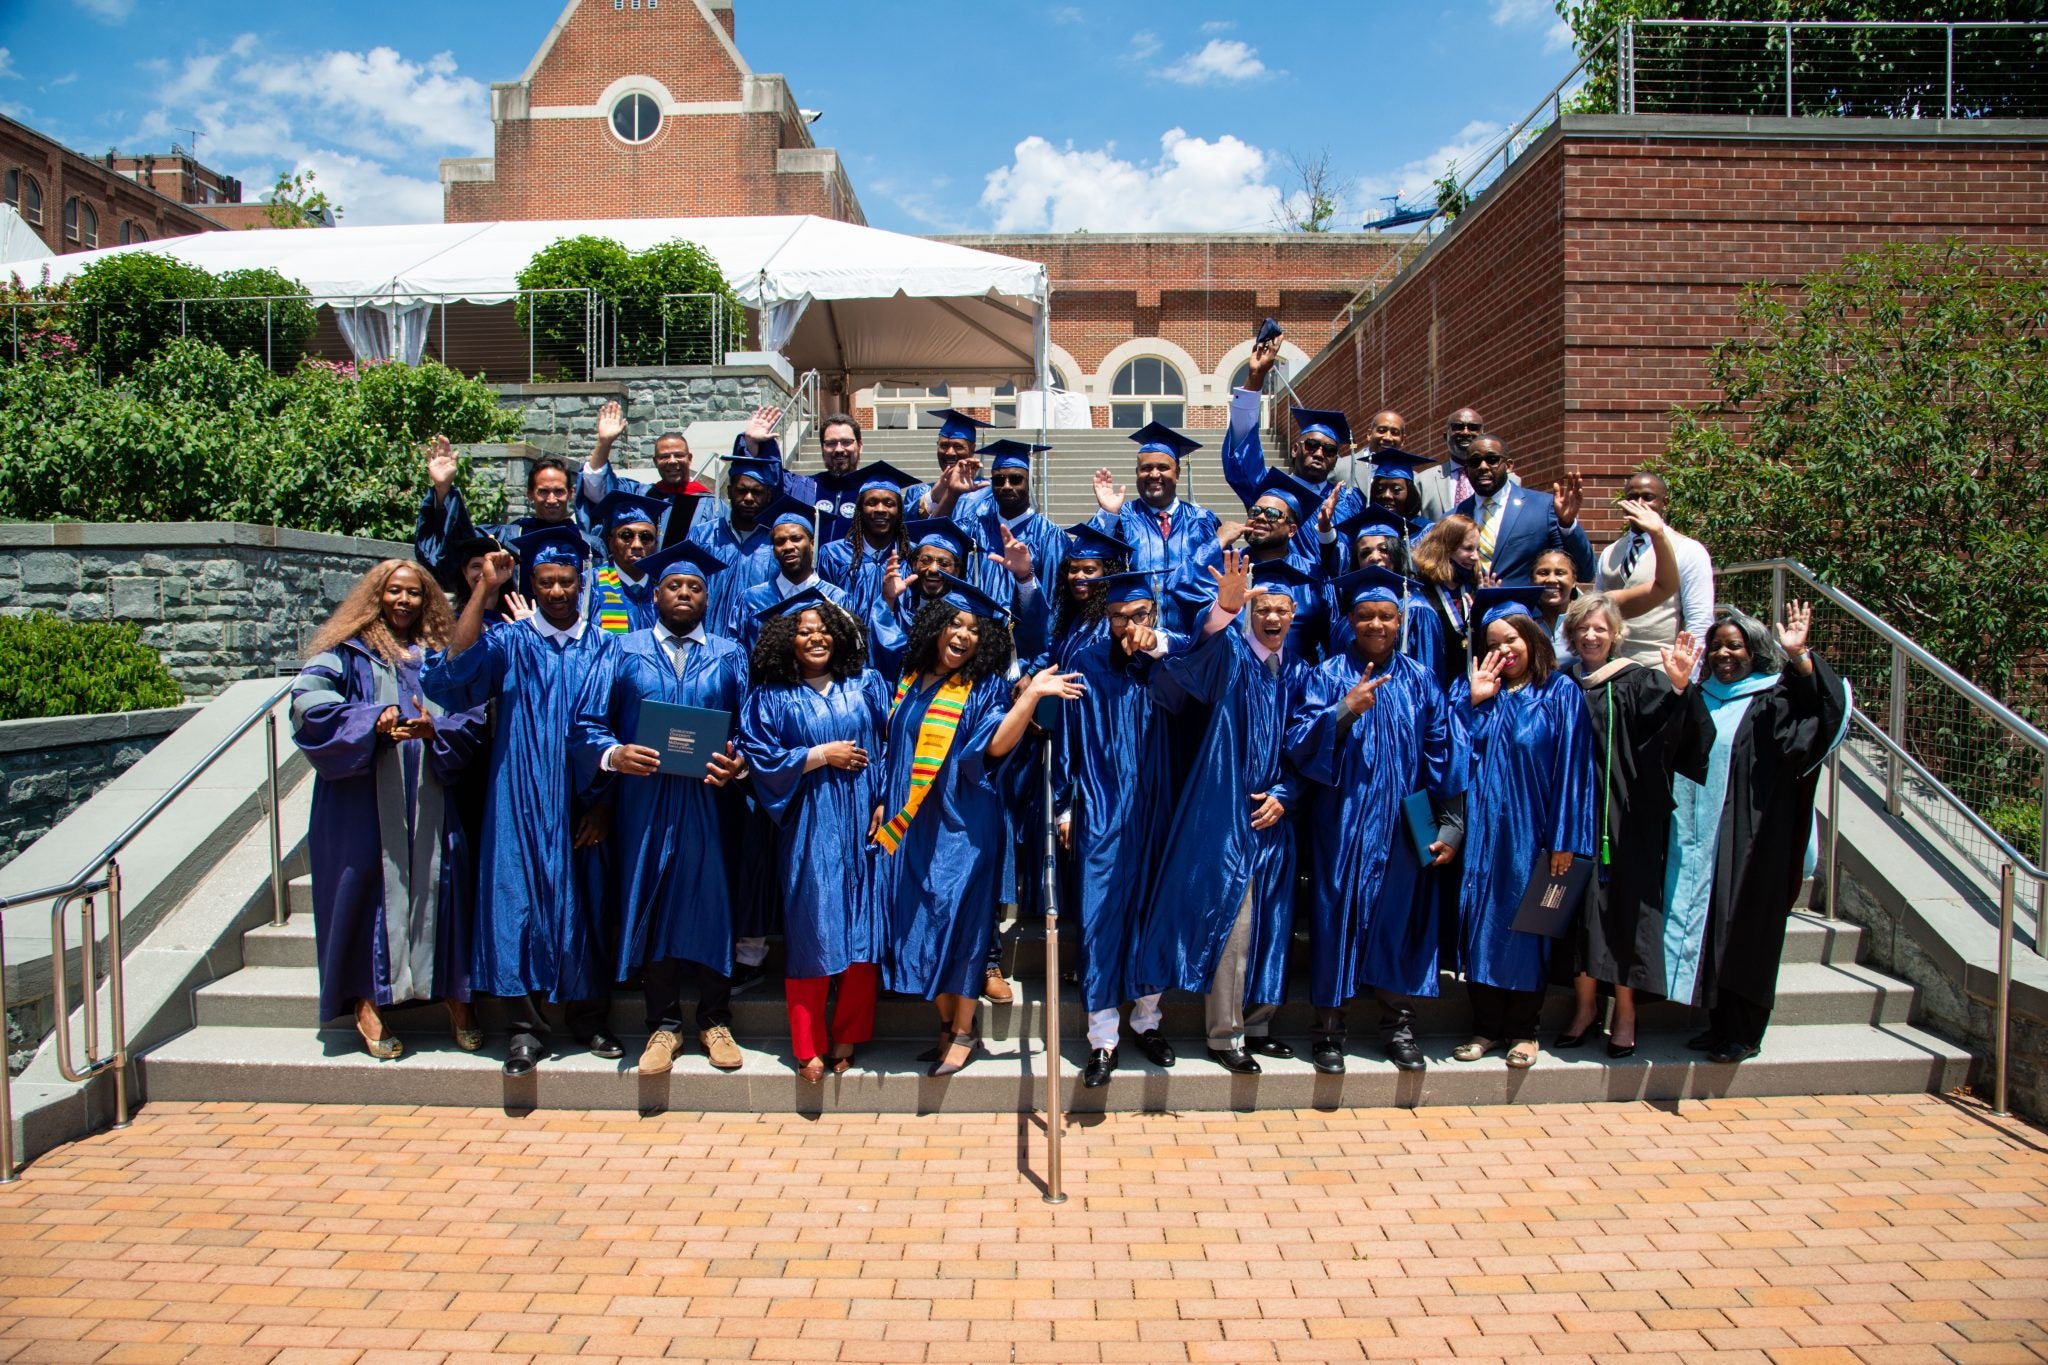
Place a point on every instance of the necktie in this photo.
(1462, 489)
(1165, 525)
(1273, 663)
(1489, 523)
(682, 656)
(1634, 553)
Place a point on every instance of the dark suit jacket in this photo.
(1527, 529)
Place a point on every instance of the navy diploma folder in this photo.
(1550, 904)
(1420, 818)
(685, 736)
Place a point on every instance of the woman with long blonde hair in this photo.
(392, 876)
(1447, 561)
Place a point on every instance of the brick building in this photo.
(77, 203)
(646, 107)
(1578, 300)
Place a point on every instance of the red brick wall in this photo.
(1581, 302)
(63, 173)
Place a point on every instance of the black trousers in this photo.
(1735, 1020)
(1397, 1019)
(581, 1019)
(1498, 1012)
(665, 980)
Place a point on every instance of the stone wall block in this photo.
(90, 605)
(136, 599)
(48, 571)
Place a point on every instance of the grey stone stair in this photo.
(1838, 1028)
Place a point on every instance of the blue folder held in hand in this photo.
(1420, 817)
(685, 736)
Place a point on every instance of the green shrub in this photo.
(197, 434)
(642, 324)
(53, 667)
(122, 311)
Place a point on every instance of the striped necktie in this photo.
(1632, 555)
(1489, 525)
(682, 656)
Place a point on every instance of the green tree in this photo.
(294, 202)
(655, 307)
(1867, 72)
(1886, 423)
(123, 309)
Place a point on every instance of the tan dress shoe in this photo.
(997, 989)
(660, 1054)
(720, 1048)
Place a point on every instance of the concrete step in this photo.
(307, 1066)
(1808, 993)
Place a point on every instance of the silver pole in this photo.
(269, 359)
(276, 836)
(2040, 860)
(1948, 84)
(1894, 770)
(532, 326)
(1834, 830)
(1777, 595)
(7, 1175)
(117, 993)
(88, 970)
(1788, 71)
(1054, 1115)
(2002, 1018)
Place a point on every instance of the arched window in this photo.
(81, 224)
(1275, 379)
(23, 191)
(636, 118)
(1148, 389)
(901, 407)
(132, 232)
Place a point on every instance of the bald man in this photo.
(1386, 431)
(1442, 487)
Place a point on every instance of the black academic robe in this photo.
(1643, 731)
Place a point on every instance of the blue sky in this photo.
(953, 117)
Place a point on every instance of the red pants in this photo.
(853, 1021)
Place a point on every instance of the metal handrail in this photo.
(88, 884)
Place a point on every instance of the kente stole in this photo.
(934, 739)
(613, 617)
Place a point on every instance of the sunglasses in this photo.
(635, 537)
(1486, 457)
(1268, 514)
(1319, 447)
(1467, 426)
(1010, 480)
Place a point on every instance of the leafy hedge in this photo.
(54, 667)
(121, 310)
(644, 323)
(193, 433)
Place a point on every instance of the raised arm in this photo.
(1634, 601)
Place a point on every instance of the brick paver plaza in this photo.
(1865, 1228)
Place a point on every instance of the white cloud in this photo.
(1144, 45)
(366, 123)
(1414, 181)
(108, 11)
(1221, 61)
(1219, 26)
(1068, 14)
(1557, 34)
(64, 79)
(7, 71)
(1194, 186)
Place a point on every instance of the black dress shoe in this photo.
(1703, 1042)
(1101, 1062)
(1727, 1054)
(1328, 1055)
(1617, 1051)
(1406, 1055)
(1267, 1046)
(602, 1044)
(1157, 1050)
(1567, 1041)
(1235, 1059)
(523, 1055)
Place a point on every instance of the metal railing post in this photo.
(276, 834)
(1894, 778)
(532, 327)
(1788, 71)
(2002, 1013)
(1628, 66)
(1777, 596)
(1834, 829)
(1948, 82)
(117, 993)
(7, 1176)
(1054, 1110)
(269, 359)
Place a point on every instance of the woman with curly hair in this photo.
(811, 730)
(392, 874)
(939, 827)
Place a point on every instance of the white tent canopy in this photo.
(19, 242)
(857, 302)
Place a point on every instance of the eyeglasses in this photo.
(635, 537)
(841, 445)
(1268, 514)
(1318, 448)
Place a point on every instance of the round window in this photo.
(636, 117)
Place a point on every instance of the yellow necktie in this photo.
(1494, 507)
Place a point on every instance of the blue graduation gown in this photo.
(1211, 853)
(540, 903)
(670, 835)
(444, 523)
(834, 495)
(1375, 920)
(1191, 592)
(749, 560)
(1111, 774)
(390, 861)
(762, 596)
(1425, 635)
(1151, 552)
(862, 581)
(938, 887)
(1244, 464)
(830, 919)
(1528, 775)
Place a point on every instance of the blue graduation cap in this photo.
(1124, 587)
(1009, 454)
(1323, 422)
(1494, 604)
(1157, 436)
(879, 476)
(809, 599)
(788, 509)
(1280, 575)
(683, 557)
(956, 425)
(1398, 464)
(1290, 490)
(760, 468)
(1373, 584)
(1371, 519)
(559, 544)
(961, 595)
(1084, 541)
(943, 532)
(626, 509)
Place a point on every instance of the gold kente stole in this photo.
(934, 739)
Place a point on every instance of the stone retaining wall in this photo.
(48, 767)
(220, 601)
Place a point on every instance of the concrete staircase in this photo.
(1839, 1029)
(1073, 460)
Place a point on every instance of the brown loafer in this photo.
(997, 989)
(719, 1046)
